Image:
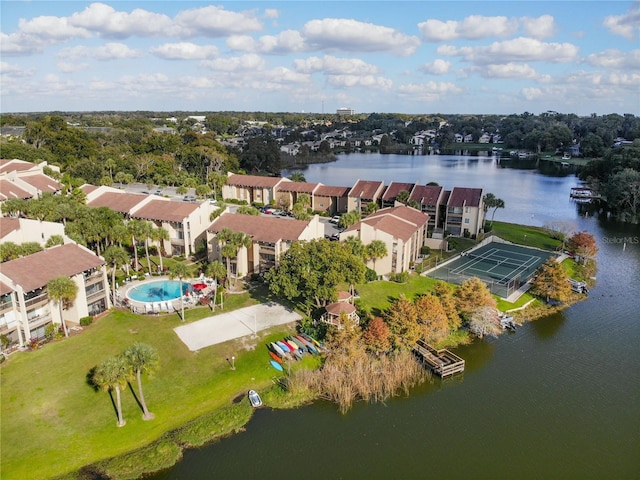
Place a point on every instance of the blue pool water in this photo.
(158, 291)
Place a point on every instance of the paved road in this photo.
(238, 323)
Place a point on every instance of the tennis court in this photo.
(503, 267)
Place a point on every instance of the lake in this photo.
(557, 399)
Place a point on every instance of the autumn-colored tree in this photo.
(471, 295)
(432, 317)
(444, 292)
(551, 282)
(343, 344)
(583, 244)
(377, 336)
(402, 320)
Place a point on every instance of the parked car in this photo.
(335, 219)
(189, 198)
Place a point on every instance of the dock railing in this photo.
(442, 362)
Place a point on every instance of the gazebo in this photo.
(335, 312)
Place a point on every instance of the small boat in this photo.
(291, 345)
(255, 399)
(283, 346)
(298, 354)
(313, 340)
(310, 346)
(275, 356)
(297, 342)
(276, 365)
(277, 349)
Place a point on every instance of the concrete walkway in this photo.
(238, 323)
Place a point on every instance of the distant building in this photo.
(345, 111)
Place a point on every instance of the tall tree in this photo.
(142, 358)
(377, 336)
(231, 244)
(117, 257)
(180, 271)
(111, 375)
(160, 235)
(375, 250)
(137, 231)
(472, 294)
(491, 201)
(584, 245)
(402, 319)
(297, 176)
(432, 317)
(551, 282)
(63, 291)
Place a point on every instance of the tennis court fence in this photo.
(502, 288)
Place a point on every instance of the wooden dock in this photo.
(442, 362)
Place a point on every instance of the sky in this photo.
(414, 57)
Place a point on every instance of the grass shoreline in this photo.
(67, 430)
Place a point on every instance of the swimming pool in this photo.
(158, 291)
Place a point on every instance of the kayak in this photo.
(275, 356)
(276, 365)
(291, 345)
(311, 339)
(297, 342)
(277, 349)
(309, 345)
(283, 346)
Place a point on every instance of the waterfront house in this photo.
(270, 238)
(251, 188)
(331, 199)
(402, 229)
(391, 193)
(362, 194)
(465, 212)
(288, 193)
(25, 306)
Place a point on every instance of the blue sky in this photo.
(498, 57)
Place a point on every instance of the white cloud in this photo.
(109, 51)
(107, 22)
(541, 27)
(428, 92)
(356, 36)
(520, 49)
(626, 25)
(615, 59)
(212, 21)
(370, 81)
(71, 67)
(473, 27)
(271, 13)
(532, 93)
(335, 66)
(51, 28)
(508, 70)
(185, 51)
(437, 67)
(285, 42)
(7, 69)
(249, 62)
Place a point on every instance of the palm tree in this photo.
(117, 257)
(232, 242)
(375, 250)
(110, 375)
(217, 271)
(160, 235)
(180, 270)
(147, 232)
(136, 230)
(297, 176)
(62, 290)
(142, 358)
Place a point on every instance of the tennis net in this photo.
(495, 261)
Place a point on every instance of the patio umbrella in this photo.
(199, 286)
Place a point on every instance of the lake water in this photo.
(557, 399)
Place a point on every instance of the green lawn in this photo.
(53, 422)
(525, 235)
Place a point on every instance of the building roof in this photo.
(365, 189)
(36, 270)
(87, 188)
(15, 165)
(400, 222)
(462, 196)
(119, 202)
(254, 181)
(8, 225)
(260, 229)
(165, 211)
(9, 190)
(426, 194)
(4, 288)
(298, 187)
(42, 182)
(394, 188)
(338, 308)
(328, 191)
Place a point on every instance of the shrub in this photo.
(424, 250)
(50, 331)
(86, 321)
(370, 275)
(402, 277)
